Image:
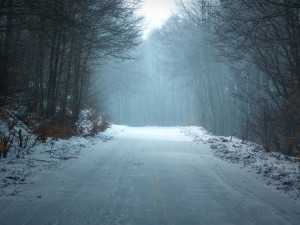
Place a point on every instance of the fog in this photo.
(230, 67)
(171, 112)
(145, 92)
(173, 79)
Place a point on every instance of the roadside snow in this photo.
(280, 172)
(15, 171)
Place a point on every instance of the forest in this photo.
(48, 54)
(230, 66)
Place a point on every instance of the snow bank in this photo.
(276, 170)
(14, 171)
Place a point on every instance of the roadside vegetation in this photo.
(230, 66)
(48, 54)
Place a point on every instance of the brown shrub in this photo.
(98, 126)
(5, 145)
(56, 129)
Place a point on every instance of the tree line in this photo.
(243, 59)
(49, 49)
(145, 91)
(262, 39)
(231, 66)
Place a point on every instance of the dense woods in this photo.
(260, 40)
(196, 121)
(49, 50)
(229, 66)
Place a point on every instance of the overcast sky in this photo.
(156, 12)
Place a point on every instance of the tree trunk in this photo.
(52, 76)
(5, 57)
(68, 78)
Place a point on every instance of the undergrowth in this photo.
(19, 134)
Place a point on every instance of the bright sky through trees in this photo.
(156, 12)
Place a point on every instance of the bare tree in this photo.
(264, 35)
(48, 49)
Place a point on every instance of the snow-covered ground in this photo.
(280, 172)
(149, 175)
(14, 171)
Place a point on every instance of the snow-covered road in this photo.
(147, 176)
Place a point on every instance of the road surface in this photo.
(146, 176)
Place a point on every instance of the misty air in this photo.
(149, 112)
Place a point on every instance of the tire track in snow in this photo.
(157, 196)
